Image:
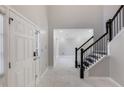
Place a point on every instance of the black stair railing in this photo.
(116, 23)
(77, 49)
(113, 26)
(98, 47)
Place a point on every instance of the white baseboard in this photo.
(116, 83)
(119, 85)
(42, 75)
(94, 77)
(86, 74)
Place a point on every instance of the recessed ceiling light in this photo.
(61, 31)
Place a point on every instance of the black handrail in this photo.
(95, 46)
(116, 22)
(95, 42)
(77, 49)
(109, 24)
(85, 43)
(117, 12)
(110, 30)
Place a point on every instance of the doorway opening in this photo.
(65, 42)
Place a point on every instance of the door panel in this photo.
(22, 39)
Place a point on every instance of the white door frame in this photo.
(55, 48)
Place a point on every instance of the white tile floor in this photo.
(65, 75)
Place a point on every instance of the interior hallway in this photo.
(65, 75)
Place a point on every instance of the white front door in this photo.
(22, 46)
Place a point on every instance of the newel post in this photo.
(76, 63)
(82, 66)
(109, 28)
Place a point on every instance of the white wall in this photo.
(74, 17)
(36, 13)
(109, 11)
(117, 58)
(56, 47)
(101, 69)
(44, 51)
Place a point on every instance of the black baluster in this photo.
(114, 31)
(117, 26)
(123, 16)
(110, 29)
(120, 19)
(97, 50)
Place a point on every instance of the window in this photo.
(1, 46)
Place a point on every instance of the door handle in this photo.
(9, 65)
(34, 54)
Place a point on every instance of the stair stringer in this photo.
(86, 73)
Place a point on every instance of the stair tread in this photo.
(92, 58)
(86, 64)
(89, 59)
(100, 52)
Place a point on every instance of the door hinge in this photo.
(10, 19)
(9, 65)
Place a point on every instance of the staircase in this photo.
(86, 58)
(92, 59)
